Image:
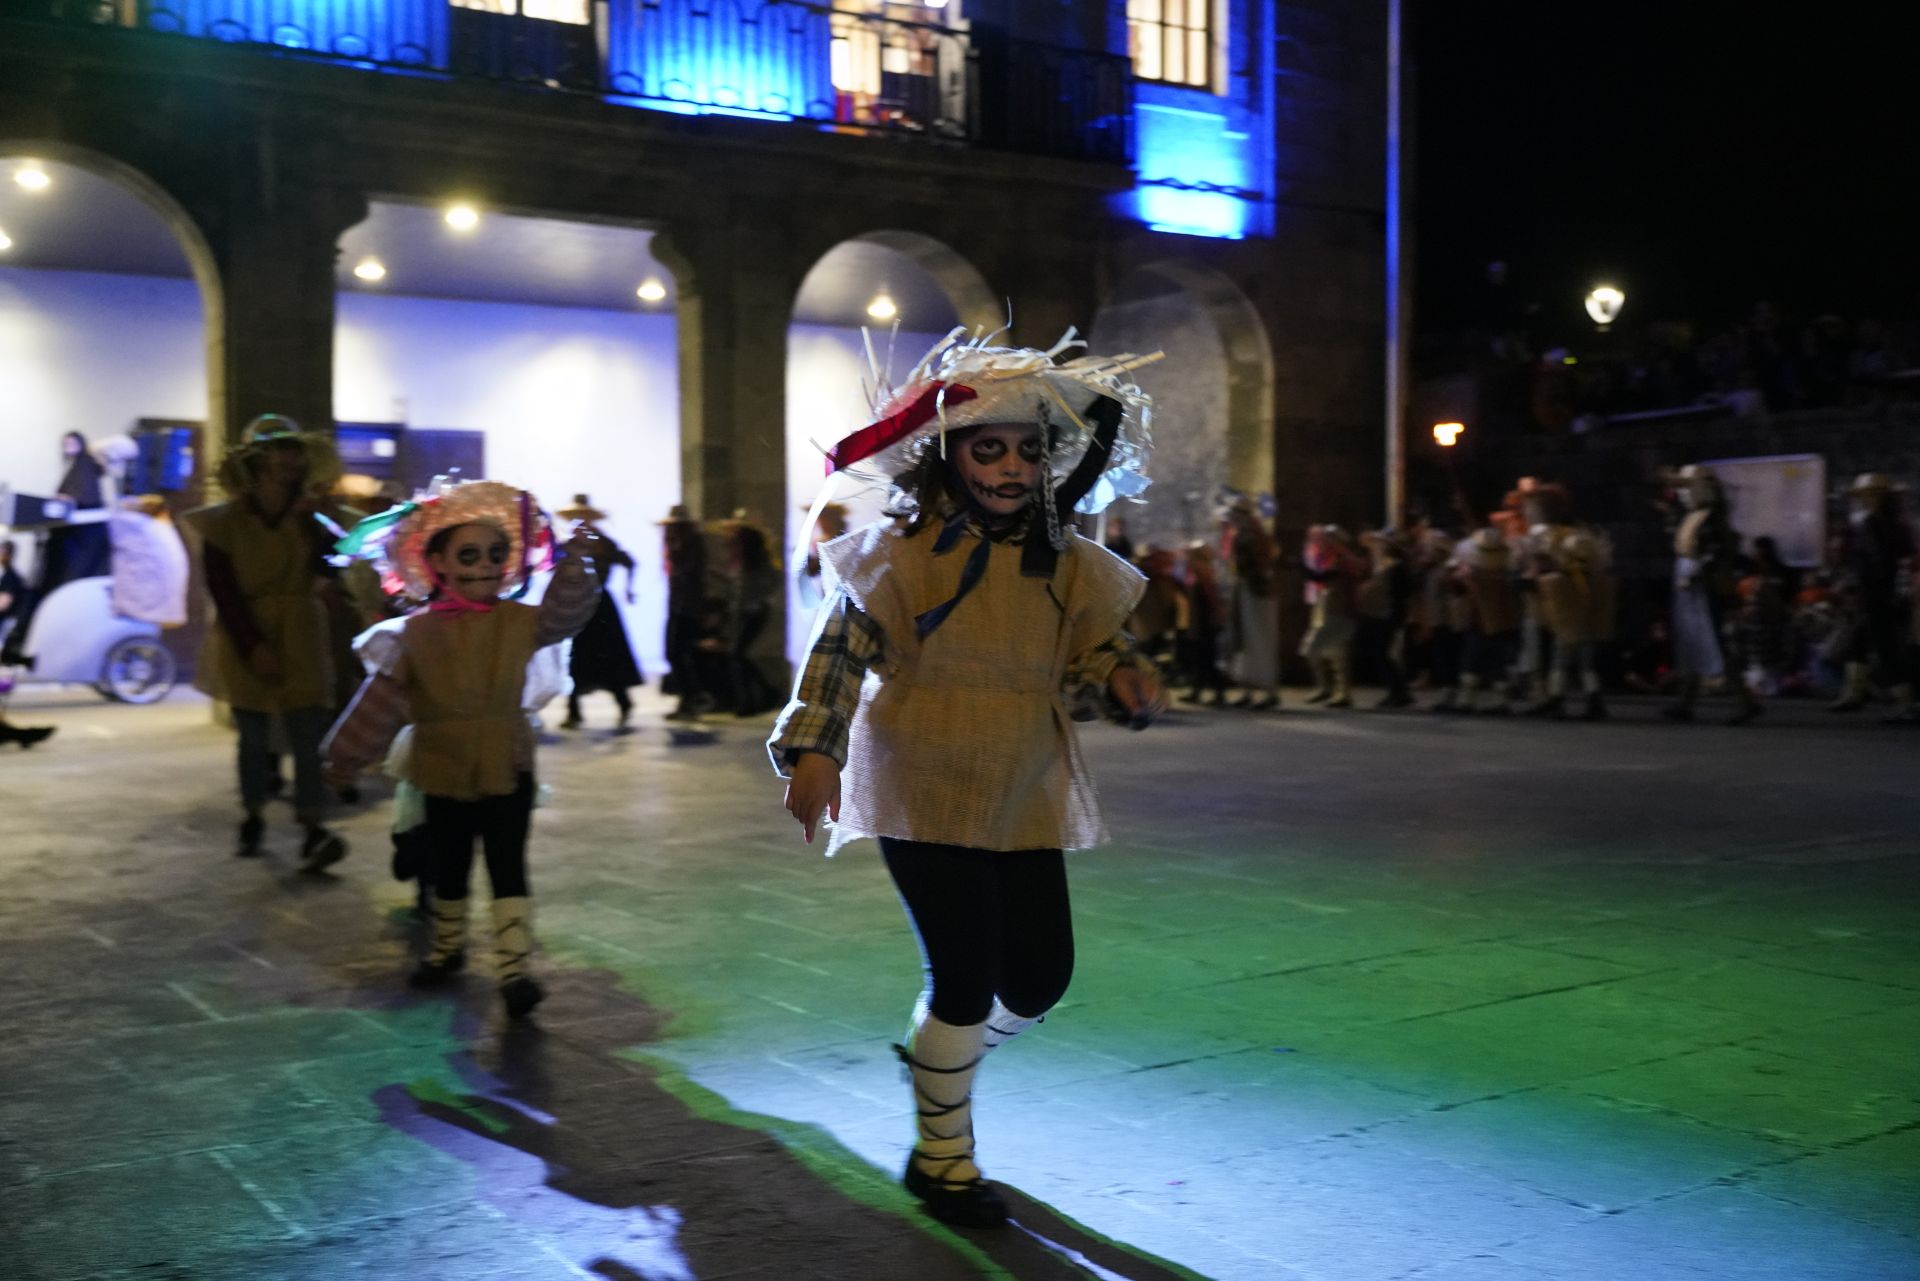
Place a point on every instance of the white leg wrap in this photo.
(942, 1060)
(512, 936)
(449, 929)
(1003, 1025)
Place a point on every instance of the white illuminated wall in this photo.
(570, 400)
(92, 353)
(826, 368)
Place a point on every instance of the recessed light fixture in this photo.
(6, 242)
(463, 217)
(651, 290)
(371, 270)
(32, 177)
(882, 308)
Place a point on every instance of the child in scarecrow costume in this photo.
(933, 709)
(454, 674)
(263, 554)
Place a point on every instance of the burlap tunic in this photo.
(273, 566)
(464, 672)
(963, 738)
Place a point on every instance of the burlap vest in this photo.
(464, 674)
(274, 567)
(962, 738)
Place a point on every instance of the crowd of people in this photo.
(1522, 615)
(1766, 360)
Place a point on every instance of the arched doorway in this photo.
(869, 308)
(109, 301)
(538, 349)
(1213, 394)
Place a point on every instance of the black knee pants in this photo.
(499, 823)
(990, 923)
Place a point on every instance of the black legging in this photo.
(499, 822)
(990, 923)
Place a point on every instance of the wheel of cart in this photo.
(137, 669)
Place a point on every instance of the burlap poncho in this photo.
(273, 565)
(962, 738)
(464, 672)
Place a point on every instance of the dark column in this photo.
(275, 251)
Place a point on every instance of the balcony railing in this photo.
(791, 59)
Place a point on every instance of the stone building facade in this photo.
(1030, 165)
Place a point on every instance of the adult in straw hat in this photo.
(601, 658)
(262, 552)
(1877, 547)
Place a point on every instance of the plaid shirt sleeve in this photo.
(1084, 687)
(846, 642)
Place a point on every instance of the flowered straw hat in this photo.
(397, 540)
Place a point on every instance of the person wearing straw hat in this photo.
(601, 657)
(933, 709)
(683, 546)
(262, 553)
(1877, 556)
(454, 674)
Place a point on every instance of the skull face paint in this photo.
(999, 464)
(471, 561)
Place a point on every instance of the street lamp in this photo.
(1604, 303)
(1447, 435)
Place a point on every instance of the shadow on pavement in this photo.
(631, 1177)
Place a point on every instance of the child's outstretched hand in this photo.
(1139, 692)
(814, 786)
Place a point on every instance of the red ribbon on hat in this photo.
(896, 427)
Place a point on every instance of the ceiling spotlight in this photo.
(882, 308)
(651, 290)
(371, 270)
(463, 217)
(32, 177)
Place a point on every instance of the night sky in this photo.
(1701, 155)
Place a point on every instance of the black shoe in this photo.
(962, 1203)
(572, 722)
(1394, 702)
(1320, 696)
(520, 995)
(1498, 709)
(1747, 712)
(1271, 703)
(321, 850)
(1342, 701)
(432, 973)
(25, 736)
(252, 828)
(1677, 712)
(1596, 709)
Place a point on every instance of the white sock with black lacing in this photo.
(941, 1060)
(1003, 1025)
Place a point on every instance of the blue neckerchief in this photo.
(970, 574)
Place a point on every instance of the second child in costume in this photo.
(940, 679)
(1704, 550)
(454, 673)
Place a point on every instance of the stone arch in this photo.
(186, 232)
(1214, 395)
(936, 288)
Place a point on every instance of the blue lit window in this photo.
(1172, 41)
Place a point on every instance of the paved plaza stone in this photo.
(1359, 997)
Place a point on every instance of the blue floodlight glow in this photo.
(1195, 171)
(677, 56)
